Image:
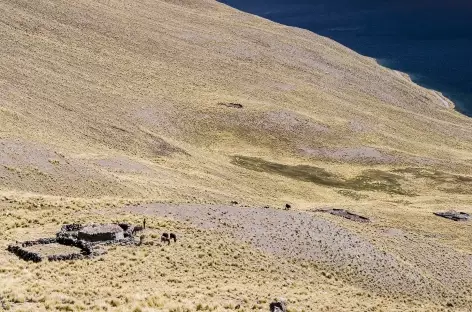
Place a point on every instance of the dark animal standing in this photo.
(287, 206)
(165, 238)
(278, 306)
(137, 229)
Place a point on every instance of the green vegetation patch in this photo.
(369, 180)
(444, 181)
(352, 194)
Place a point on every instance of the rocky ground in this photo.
(417, 268)
(230, 258)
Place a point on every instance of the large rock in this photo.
(453, 215)
(101, 232)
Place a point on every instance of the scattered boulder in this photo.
(232, 105)
(74, 227)
(279, 305)
(453, 215)
(345, 214)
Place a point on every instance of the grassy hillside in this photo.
(126, 93)
(109, 102)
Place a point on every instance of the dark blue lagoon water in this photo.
(430, 40)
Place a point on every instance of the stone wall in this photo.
(87, 238)
(101, 233)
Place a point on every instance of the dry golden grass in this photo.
(203, 271)
(105, 103)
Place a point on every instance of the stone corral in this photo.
(101, 233)
(87, 238)
(21, 250)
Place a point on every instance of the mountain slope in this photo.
(107, 104)
(139, 83)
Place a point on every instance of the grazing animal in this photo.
(137, 229)
(287, 206)
(173, 236)
(278, 306)
(165, 238)
(141, 239)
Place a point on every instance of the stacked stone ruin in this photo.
(87, 238)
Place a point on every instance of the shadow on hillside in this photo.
(369, 180)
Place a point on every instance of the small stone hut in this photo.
(101, 232)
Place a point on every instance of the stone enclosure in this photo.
(75, 241)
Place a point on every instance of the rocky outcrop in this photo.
(345, 214)
(453, 215)
(232, 105)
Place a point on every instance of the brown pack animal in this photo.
(137, 229)
(141, 239)
(172, 236)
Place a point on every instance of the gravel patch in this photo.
(299, 235)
